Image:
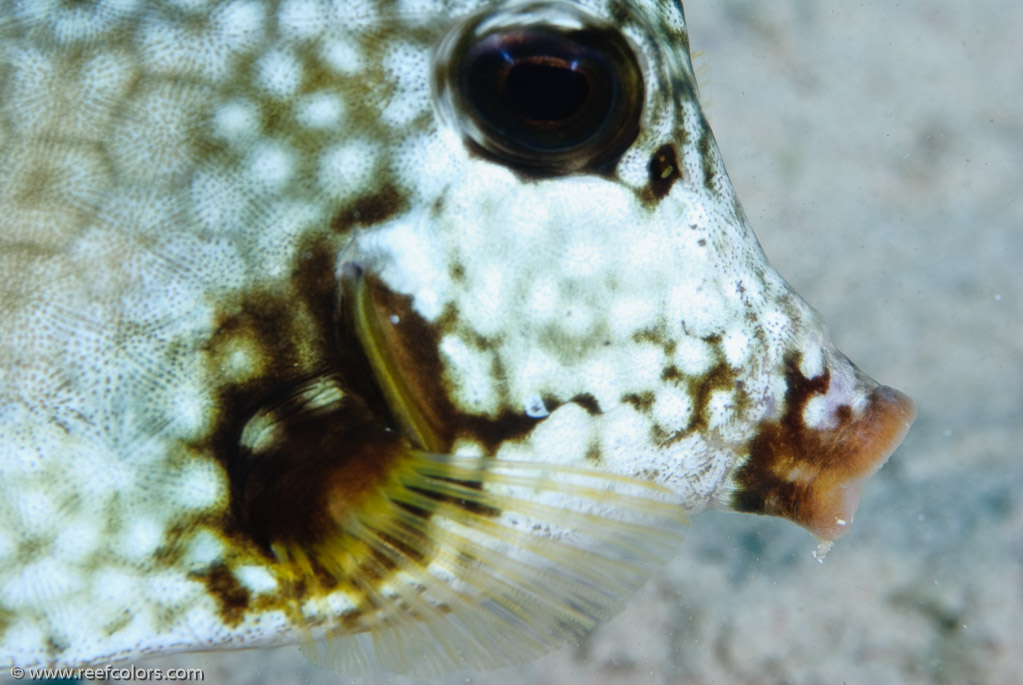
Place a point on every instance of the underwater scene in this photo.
(430, 341)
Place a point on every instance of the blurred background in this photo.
(878, 150)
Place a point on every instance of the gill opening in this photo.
(384, 367)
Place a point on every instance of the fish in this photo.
(410, 331)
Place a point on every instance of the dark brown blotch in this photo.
(663, 171)
(289, 323)
(762, 489)
(641, 402)
(315, 472)
(588, 402)
(814, 475)
(672, 373)
(232, 598)
(370, 209)
(719, 377)
(415, 348)
(708, 160)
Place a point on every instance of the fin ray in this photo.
(507, 576)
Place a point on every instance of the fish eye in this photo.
(546, 90)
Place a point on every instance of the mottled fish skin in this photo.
(187, 187)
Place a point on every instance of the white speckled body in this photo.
(181, 184)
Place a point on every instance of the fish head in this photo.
(415, 326)
(571, 251)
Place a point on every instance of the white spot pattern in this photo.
(162, 162)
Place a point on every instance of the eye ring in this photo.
(545, 89)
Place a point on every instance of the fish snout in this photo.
(810, 464)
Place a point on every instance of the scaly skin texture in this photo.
(195, 196)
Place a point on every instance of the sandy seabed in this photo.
(878, 151)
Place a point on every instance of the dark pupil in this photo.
(549, 100)
(542, 91)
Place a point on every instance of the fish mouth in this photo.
(870, 441)
(852, 453)
(814, 475)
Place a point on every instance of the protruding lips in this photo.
(859, 449)
(814, 476)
